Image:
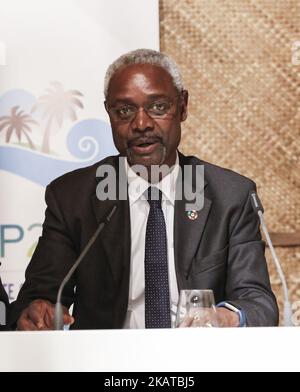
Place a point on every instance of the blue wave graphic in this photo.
(89, 140)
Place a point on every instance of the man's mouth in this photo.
(144, 146)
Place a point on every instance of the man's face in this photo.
(146, 112)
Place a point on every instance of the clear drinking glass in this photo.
(196, 308)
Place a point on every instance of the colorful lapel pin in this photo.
(192, 215)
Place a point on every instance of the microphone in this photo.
(58, 318)
(258, 208)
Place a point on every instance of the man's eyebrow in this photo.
(158, 96)
(123, 100)
(151, 97)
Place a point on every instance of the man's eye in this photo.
(126, 111)
(160, 107)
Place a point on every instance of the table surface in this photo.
(173, 350)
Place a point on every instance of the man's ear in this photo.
(184, 105)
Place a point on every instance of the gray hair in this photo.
(145, 56)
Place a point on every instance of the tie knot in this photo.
(154, 196)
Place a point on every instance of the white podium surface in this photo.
(174, 350)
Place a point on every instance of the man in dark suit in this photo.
(3, 307)
(217, 248)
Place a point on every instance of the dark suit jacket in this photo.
(3, 300)
(222, 250)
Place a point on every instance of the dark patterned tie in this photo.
(157, 295)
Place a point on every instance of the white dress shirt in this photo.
(139, 211)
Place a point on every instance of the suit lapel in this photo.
(115, 237)
(188, 232)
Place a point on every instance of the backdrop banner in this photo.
(53, 57)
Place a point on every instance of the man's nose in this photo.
(142, 121)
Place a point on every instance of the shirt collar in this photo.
(137, 186)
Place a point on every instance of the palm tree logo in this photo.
(17, 122)
(57, 105)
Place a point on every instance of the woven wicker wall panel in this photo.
(236, 58)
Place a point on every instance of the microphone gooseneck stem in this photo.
(259, 210)
(287, 304)
(58, 321)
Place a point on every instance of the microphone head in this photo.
(256, 203)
